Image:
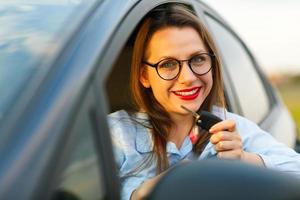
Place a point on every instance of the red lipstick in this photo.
(188, 94)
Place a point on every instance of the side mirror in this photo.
(227, 180)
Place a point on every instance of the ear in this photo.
(144, 78)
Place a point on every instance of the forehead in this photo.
(174, 42)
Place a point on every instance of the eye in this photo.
(198, 59)
(168, 64)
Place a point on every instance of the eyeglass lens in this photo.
(170, 68)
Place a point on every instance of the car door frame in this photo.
(27, 171)
(272, 99)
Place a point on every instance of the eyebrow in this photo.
(198, 52)
(191, 55)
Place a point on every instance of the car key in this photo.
(204, 119)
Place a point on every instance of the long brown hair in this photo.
(175, 15)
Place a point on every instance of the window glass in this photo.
(81, 177)
(29, 36)
(246, 82)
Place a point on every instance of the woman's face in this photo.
(188, 89)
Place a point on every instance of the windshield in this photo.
(30, 33)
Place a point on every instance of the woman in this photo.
(175, 63)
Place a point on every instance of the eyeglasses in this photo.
(169, 69)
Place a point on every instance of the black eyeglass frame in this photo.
(212, 56)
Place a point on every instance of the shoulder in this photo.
(130, 135)
(122, 135)
(115, 117)
(121, 122)
(126, 128)
(118, 118)
(121, 125)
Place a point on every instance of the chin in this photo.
(192, 107)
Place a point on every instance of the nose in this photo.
(186, 75)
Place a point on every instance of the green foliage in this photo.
(296, 79)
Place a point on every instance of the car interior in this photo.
(118, 82)
(225, 179)
(118, 95)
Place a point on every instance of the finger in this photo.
(217, 137)
(228, 146)
(232, 154)
(224, 136)
(223, 125)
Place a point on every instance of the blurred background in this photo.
(271, 31)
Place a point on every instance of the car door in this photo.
(83, 167)
(56, 131)
(58, 146)
(248, 91)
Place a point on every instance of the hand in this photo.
(145, 188)
(227, 142)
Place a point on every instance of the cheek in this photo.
(208, 79)
(153, 80)
(147, 78)
(160, 88)
(210, 82)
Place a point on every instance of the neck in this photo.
(181, 129)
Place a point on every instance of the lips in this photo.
(188, 94)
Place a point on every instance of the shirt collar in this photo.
(144, 142)
(185, 148)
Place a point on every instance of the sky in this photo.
(270, 28)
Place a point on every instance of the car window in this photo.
(245, 79)
(81, 176)
(28, 33)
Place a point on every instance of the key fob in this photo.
(207, 120)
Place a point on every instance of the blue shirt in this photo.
(133, 145)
